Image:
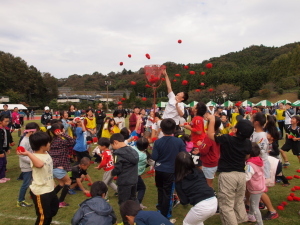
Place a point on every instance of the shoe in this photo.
(287, 163)
(270, 216)
(172, 221)
(77, 189)
(251, 218)
(247, 208)
(176, 203)
(63, 204)
(142, 206)
(23, 204)
(72, 192)
(262, 206)
(278, 181)
(107, 200)
(116, 194)
(2, 181)
(7, 179)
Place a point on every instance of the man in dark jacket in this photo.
(100, 116)
(47, 115)
(120, 110)
(126, 168)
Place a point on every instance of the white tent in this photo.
(12, 106)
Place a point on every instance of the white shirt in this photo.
(171, 110)
(120, 119)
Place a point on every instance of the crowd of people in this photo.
(241, 145)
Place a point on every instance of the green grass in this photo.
(9, 193)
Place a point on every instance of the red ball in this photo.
(179, 41)
(56, 131)
(197, 90)
(147, 86)
(154, 139)
(144, 99)
(121, 63)
(210, 90)
(209, 65)
(192, 72)
(292, 194)
(289, 198)
(89, 184)
(284, 203)
(202, 73)
(297, 187)
(295, 198)
(21, 149)
(147, 56)
(174, 80)
(163, 79)
(115, 178)
(280, 207)
(119, 103)
(135, 138)
(186, 67)
(298, 171)
(177, 75)
(296, 176)
(202, 84)
(88, 194)
(184, 82)
(132, 82)
(129, 55)
(293, 189)
(123, 99)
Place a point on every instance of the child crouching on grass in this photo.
(95, 210)
(133, 213)
(255, 183)
(42, 187)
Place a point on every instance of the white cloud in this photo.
(68, 37)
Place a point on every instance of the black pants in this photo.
(141, 189)
(80, 155)
(281, 126)
(126, 192)
(46, 207)
(165, 189)
(99, 130)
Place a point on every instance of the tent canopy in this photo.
(193, 103)
(296, 103)
(227, 103)
(211, 103)
(162, 104)
(12, 106)
(246, 103)
(264, 103)
(282, 101)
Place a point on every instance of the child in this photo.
(226, 125)
(292, 140)
(133, 214)
(164, 153)
(150, 121)
(42, 187)
(120, 120)
(210, 154)
(232, 186)
(188, 181)
(24, 162)
(80, 146)
(79, 174)
(95, 210)
(107, 163)
(187, 141)
(141, 147)
(156, 129)
(126, 168)
(105, 131)
(67, 124)
(234, 114)
(255, 183)
(112, 127)
(90, 125)
(59, 151)
(4, 147)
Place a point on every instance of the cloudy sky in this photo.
(66, 37)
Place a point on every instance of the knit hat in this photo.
(244, 128)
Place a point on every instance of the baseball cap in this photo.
(46, 108)
(244, 128)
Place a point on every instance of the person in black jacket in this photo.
(95, 210)
(47, 115)
(120, 110)
(188, 181)
(100, 116)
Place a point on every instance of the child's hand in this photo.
(295, 139)
(86, 192)
(22, 151)
(12, 144)
(199, 143)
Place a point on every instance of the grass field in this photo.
(11, 215)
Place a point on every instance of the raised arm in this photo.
(211, 127)
(168, 82)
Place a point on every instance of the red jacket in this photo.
(107, 162)
(132, 122)
(197, 124)
(209, 152)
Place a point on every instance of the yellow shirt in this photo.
(90, 123)
(279, 113)
(233, 118)
(42, 178)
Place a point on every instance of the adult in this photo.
(22, 116)
(289, 113)
(100, 116)
(134, 118)
(175, 107)
(7, 114)
(279, 113)
(46, 116)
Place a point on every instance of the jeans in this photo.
(141, 189)
(27, 177)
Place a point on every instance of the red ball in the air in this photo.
(132, 82)
(202, 84)
(179, 41)
(197, 90)
(163, 79)
(121, 63)
(184, 82)
(147, 86)
(209, 65)
(192, 72)
(177, 75)
(202, 73)
(144, 99)
(129, 55)
(119, 103)
(123, 99)
(186, 67)
(210, 90)
(174, 80)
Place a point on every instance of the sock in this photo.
(57, 189)
(64, 193)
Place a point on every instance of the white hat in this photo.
(46, 108)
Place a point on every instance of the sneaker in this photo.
(287, 163)
(278, 180)
(142, 206)
(270, 216)
(72, 192)
(176, 203)
(23, 204)
(262, 206)
(77, 189)
(116, 194)
(63, 204)
(172, 221)
(251, 218)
